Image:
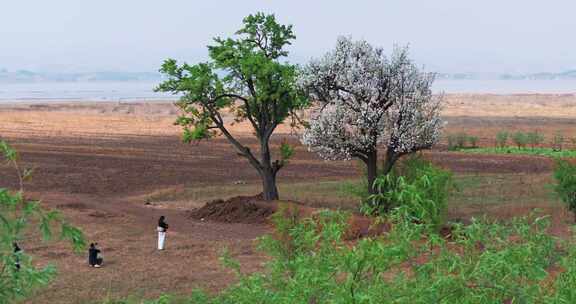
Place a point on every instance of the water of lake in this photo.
(143, 90)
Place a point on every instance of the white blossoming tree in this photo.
(367, 101)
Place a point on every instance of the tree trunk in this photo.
(268, 171)
(391, 158)
(372, 170)
(269, 189)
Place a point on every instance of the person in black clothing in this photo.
(16, 256)
(162, 228)
(94, 259)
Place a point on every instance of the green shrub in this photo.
(520, 139)
(418, 185)
(565, 176)
(452, 146)
(457, 141)
(16, 215)
(473, 140)
(502, 139)
(481, 263)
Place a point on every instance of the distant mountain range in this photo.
(23, 76)
(567, 75)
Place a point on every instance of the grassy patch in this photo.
(490, 189)
(524, 151)
(316, 194)
(475, 193)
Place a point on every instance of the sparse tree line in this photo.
(522, 140)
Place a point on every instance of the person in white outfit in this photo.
(162, 228)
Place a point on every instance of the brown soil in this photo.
(239, 209)
(97, 163)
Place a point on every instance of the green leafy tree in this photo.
(18, 276)
(248, 76)
(502, 139)
(520, 139)
(473, 140)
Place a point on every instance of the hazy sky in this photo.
(136, 35)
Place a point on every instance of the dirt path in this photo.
(145, 217)
(126, 233)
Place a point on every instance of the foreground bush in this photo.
(18, 276)
(419, 186)
(484, 262)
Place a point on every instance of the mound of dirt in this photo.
(239, 209)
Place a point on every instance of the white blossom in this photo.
(367, 100)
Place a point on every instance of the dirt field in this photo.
(101, 162)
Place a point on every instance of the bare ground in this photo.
(98, 162)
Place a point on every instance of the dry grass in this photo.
(156, 118)
(518, 105)
(473, 195)
(326, 193)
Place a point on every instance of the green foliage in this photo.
(473, 140)
(484, 262)
(502, 139)
(514, 150)
(520, 139)
(418, 186)
(17, 213)
(461, 140)
(247, 69)
(565, 176)
(533, 138)
(249, 77)
(457, 141)
(286, 151)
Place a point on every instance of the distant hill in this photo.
(23, 76)
(570, 74)
(28, 76)
(564, 75)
